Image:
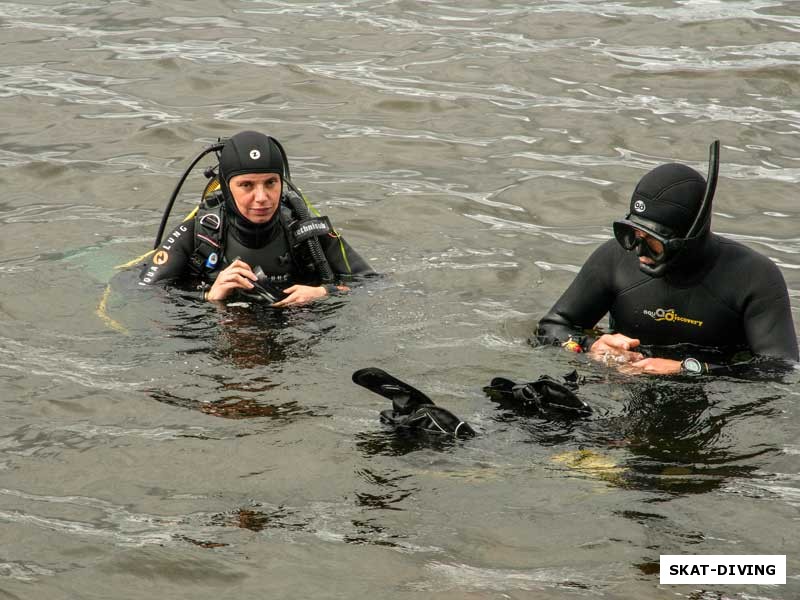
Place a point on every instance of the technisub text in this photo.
(309, 227)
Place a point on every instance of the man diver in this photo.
(253, 233)
(667, 280)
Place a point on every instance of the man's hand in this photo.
(301, 294)
(616, 348)
(653, 366)
(237, 275)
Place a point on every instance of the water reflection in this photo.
(207, 340)
(399, 442)
(259, 517)
(256, 335)
(257, 341)
(390, 492)
(679, 438)
(233, 407)
(256, 519)
(247, 339)
(670, 436)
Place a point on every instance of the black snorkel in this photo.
(674, 246)
(212, 148)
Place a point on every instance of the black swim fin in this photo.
(411, 409)
(543, 395)
(431, 419)
(404, 397)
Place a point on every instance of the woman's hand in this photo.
(237, 275)
(300, 295)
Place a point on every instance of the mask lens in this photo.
(625, 235)
(645, 244)
(655, 248)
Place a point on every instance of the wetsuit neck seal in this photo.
(252, 235)
(672, 205)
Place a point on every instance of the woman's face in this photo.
(257, 195)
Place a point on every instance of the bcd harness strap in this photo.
(208, 234)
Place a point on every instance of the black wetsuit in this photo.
(267, 246)
(722, 295)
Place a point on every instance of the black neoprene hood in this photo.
(250, 152)
(670, 195)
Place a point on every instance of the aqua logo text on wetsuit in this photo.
(669, 315)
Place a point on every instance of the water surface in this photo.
(475, 153)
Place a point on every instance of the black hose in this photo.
(704, 212)
(300, 208)
(168, 209)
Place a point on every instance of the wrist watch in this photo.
(692, 366)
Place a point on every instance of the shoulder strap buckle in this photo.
(211, 221)
(208, 236)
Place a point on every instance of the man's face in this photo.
(257, 195)
(655, 247)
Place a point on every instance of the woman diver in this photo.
(253, 233)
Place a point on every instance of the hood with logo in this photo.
(672, 203)
(670, 196)
(249, 152)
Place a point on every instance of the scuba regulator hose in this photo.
(298, 204)
(300, 208)
(212, 148)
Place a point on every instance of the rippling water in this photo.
(476, 153)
